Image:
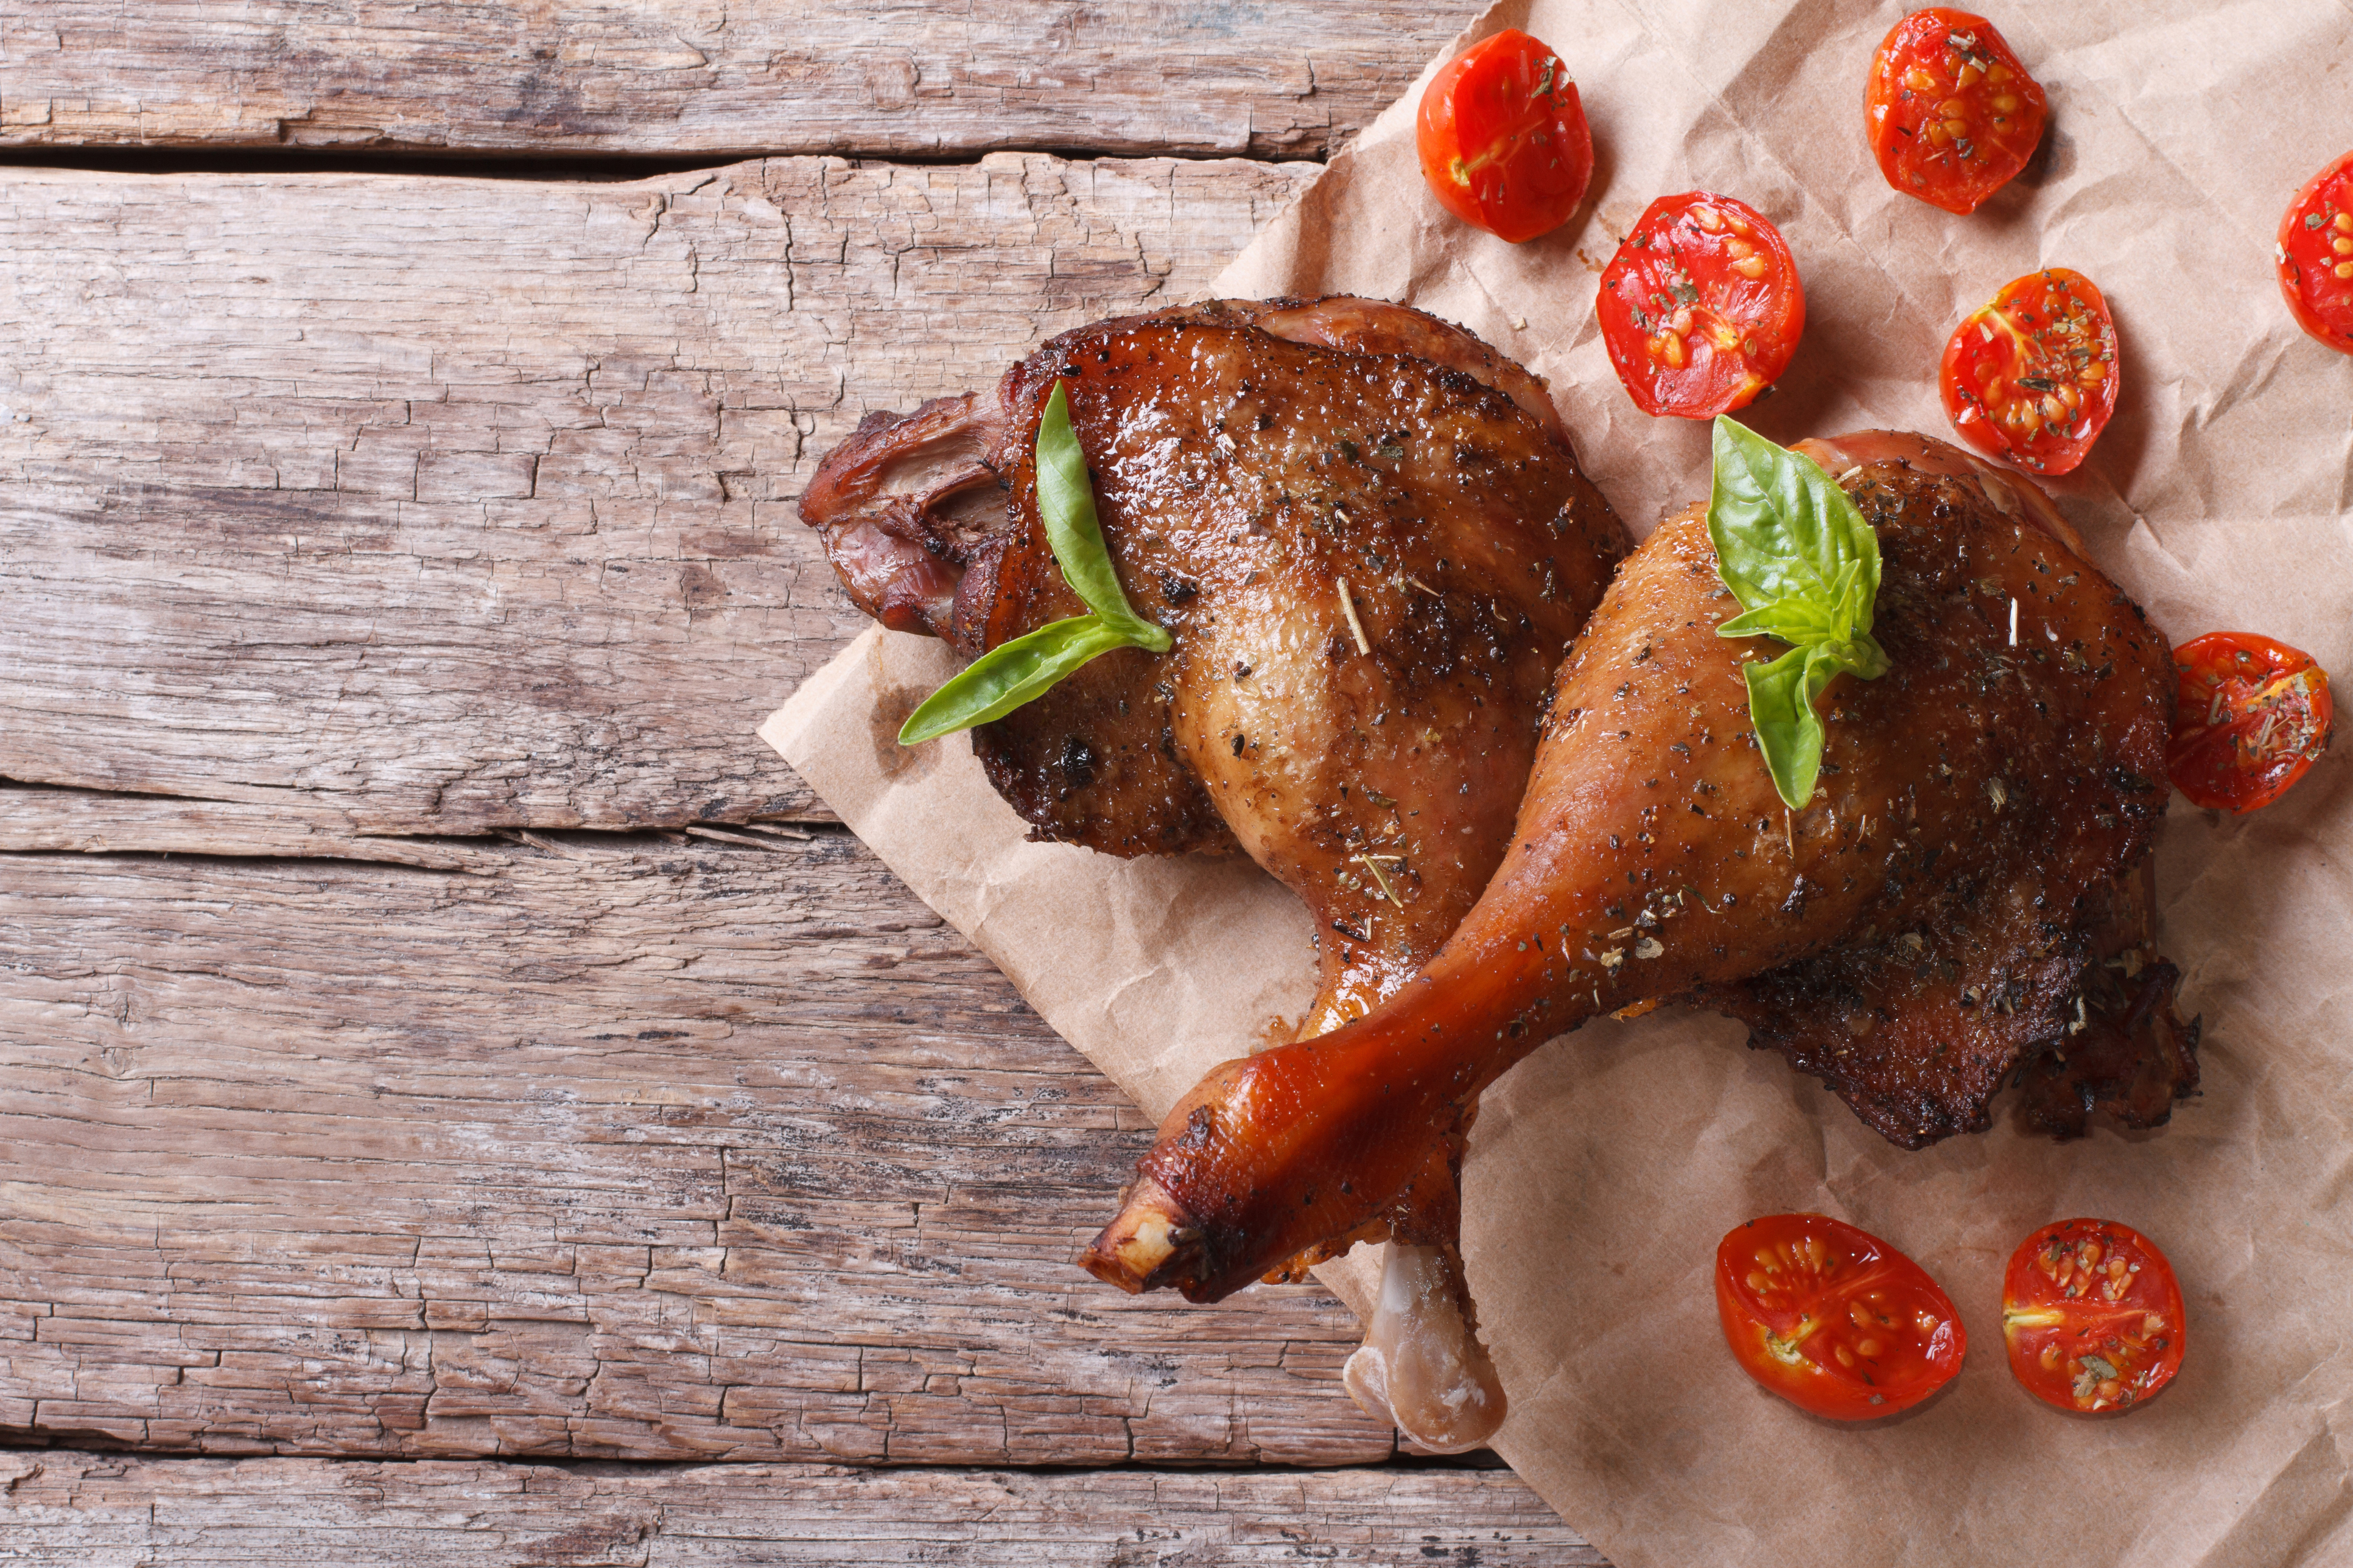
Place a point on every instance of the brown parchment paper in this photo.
(1605, 1168)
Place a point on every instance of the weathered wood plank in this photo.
(71, 820)
(97, 1511)
(637, 1146)
(1282, 78)
(455, 504)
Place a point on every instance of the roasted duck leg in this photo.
(1370, 542)
(1950, 903)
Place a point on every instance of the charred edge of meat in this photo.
(2128, 1055)
(2086, 1028)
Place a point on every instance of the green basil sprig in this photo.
(1805, 567)
(1022, 671)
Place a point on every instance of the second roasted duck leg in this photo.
(1981, 809)
(1369, 541)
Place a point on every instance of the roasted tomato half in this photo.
(2254, 714)
(2032, 376)
(2091, 1315)
(1832, 1318)
(1502, 138)
(1953, 116)
(2315, 255)
(1701, 309)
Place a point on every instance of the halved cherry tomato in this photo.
(2315, 255)
(1701, 308)
(1953, 116)
(1502, 138)
(1833, 1320)
(2032, 376)
(2093, 1316)
(2254, 714)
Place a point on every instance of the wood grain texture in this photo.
(66, 1509)
(32, 818)
(1275, 79)
(637, 1146)
(454, 504)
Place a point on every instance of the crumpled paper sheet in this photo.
(1605, 1168)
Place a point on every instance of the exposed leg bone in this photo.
(1421, 1366)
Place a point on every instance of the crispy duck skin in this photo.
(1936, 913)
(1370, 543)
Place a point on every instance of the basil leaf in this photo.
(1788, 730)
(1863, 656)
(1791, 620)
(1025, 668)
(1066, 506)
(1783, 529)
(1804, 565)
(1011, 674)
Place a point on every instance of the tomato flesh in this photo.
(2315, 255)
(1502, 138)
(2091, 1315)
(1832, 1318)
(1701, 309)
(1953, 115)
(2032, 376)
(2253, 715)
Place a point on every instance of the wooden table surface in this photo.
(461, 1098)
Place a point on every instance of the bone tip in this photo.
(1469, 1416)
(1138, 1250)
